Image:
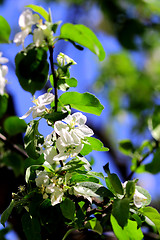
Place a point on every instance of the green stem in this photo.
(68, 232)
(55, 85)
(54, 78)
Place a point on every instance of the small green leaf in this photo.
(34, 76)
(85, 102)
(13, 125)
(90, 185)
(5, 30)
(154, 166)
(120, 211)
(96, 144)
(115, 184)
(68, 208)
(29, 161)
(5, 215)
(129, 232)
(83, 36)
(30, 172)
(94, 225)
(32, 139)
(130, 189)
(153, 215)
(40, 10)
(55, 116)
(154, 124)
(15, 162)
(126, 147)
(3, 104)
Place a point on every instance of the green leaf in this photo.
(13, 125)
(30, 172)
(31, 227)
(5, 215)
(120, 211)
(83, 36)
(68, 208)
(129, 232)
(90, 185)
(126, 147)
(96, 144)
(5, 30)
(32, 139)
(94, 225)
(3, 104)
(40, 10)
(104, 192)
(85, 102)
(130, 189)
(114, 183)
(154, 124)
(153, 215)
(29, 161)
(34, 76)
(154, 166)
(55, 116)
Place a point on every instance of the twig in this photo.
(141, 161)
(12, 146)
(55, 84)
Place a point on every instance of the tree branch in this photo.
(13, 147)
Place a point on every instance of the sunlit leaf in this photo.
(13, 125)
(5, 30)
(128, 232)
(5, 215)
(40, 10)
(85, 102)
(83, 36)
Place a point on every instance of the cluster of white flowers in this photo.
(40, 34)
(71, 133)
(50, 186)
(3, 72)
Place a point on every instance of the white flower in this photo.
(56, 193)
(63, 59)
(3, 72)
(67, 147)
(3, 59)
(40, 108)
(38, 37)
(42, 179)
(48, 149)
(139, 199)
(75, 125)
(26, 20)
(42, 35)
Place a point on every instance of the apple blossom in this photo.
(63, 59)
(56, 193)
(75, 125)
(139, 199)
(26, 20)
(3, 72)
(49, 148)
(42, 179)
(40, 108)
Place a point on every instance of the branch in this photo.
(141, 161)
(12, 146)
